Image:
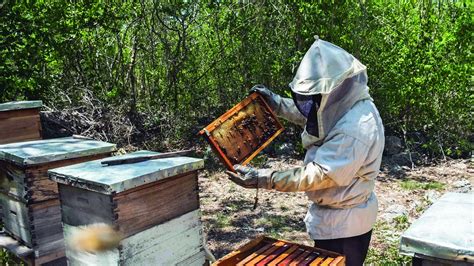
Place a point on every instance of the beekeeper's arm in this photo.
(283, 107)
(335, 163)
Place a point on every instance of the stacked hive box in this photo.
(20, 121)
(154, 204)
(31, 209)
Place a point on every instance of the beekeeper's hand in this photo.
(272, 99)
(249, 177)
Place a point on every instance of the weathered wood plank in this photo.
(54, 246)
(78, 258)
(170, 198)
(57, 258)
(21, 122)
(40, 187)
(175, 240)
(197, 259)
(82, 216)
(31, 184)
(82, 207)
(21, 251)
(12, 180)
(178, 241)
(16, 218)
(17, 113)
(19, 128)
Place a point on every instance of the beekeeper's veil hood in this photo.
(328, 82)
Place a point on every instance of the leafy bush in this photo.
(180, 65)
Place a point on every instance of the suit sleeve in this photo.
(335, 163)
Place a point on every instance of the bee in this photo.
(95, 238)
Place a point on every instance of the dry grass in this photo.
(230, 221)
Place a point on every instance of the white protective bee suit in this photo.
(344, 138)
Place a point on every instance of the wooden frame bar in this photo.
(268, 251)
(259, 103)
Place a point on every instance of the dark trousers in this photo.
(354, 248)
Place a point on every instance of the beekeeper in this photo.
(344, 138)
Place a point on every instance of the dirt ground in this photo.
(403, 194)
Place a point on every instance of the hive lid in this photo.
(9, 106)
(45, 151)
(95, 176)
(444, 231)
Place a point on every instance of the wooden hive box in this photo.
(20, 121)
(154, 204)
(268, 251)
(30, 201)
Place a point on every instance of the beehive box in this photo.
(444, 234)
(243, 131)
(269, 251)
(154, 204)
(20, 121)
(30, 201)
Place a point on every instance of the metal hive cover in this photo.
(243, 131)
(445, 230)
(9, 106)
(50, 150)
(94, 176)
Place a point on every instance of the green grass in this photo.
(411, 184)
(274, 226)
(259, 161)
(401, 223)
(387, 251)
(5, 257)
(223, 220)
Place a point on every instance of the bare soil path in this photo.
(403, 193)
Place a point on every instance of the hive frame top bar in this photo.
(94, 176)
(444, 231)
(9, 106)
(50, 150)
(251, 250)
(234, 110)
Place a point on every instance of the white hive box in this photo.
(154, 204)
(29, 200)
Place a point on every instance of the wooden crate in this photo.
(20, 121)
(268, 251)
(243, 131)
(29, 200)
(154, 204)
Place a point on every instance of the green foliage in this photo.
(259, 161)
(180, 65)
(387, 252)
(223, 220)
(274, 225)
(7, 258)
(410, 184)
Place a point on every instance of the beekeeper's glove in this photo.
(249, 177)
(283, 107)
(272, 99)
